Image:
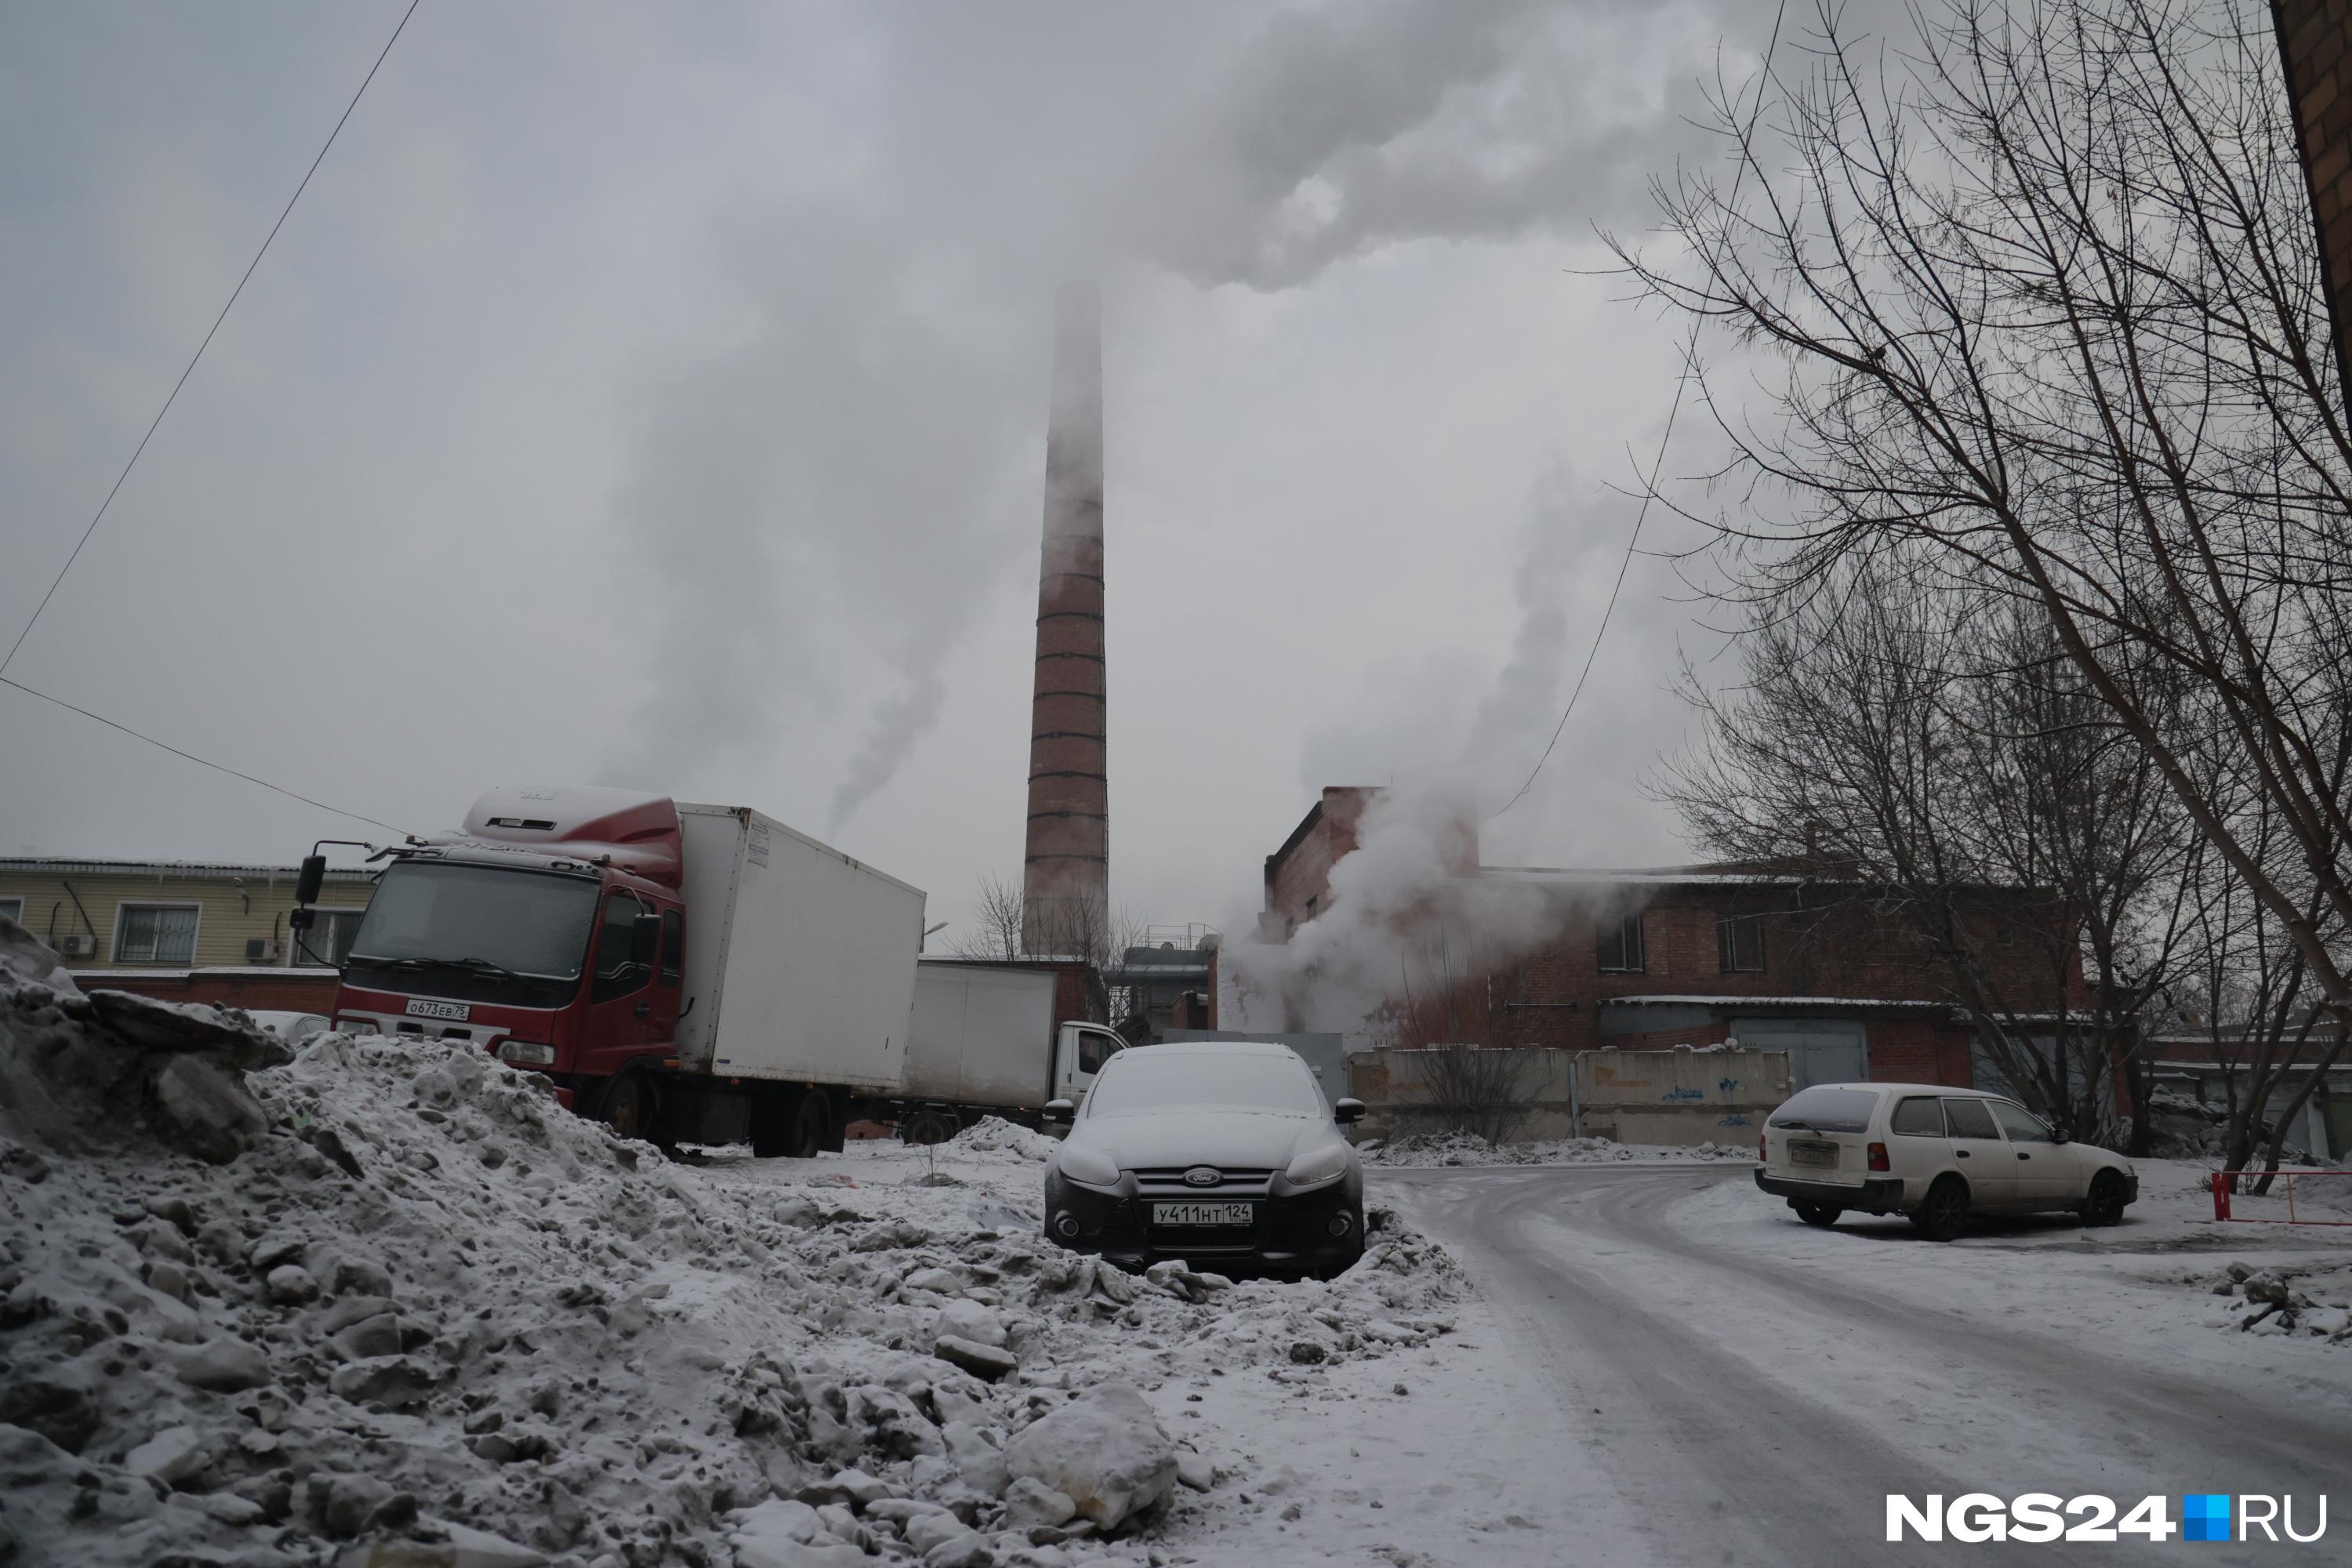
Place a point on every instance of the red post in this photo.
(2220, 1195)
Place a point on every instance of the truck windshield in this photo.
(481, 932)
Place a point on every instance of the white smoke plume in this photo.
(1409, 889)
(849, 466)
(1343, 129)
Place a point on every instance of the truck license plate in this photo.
(418, 1007)
(1200, 1213)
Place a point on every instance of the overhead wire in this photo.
(154, 425)
(1650, 489)
(207, 762)
(174, 396)
(1624, 564)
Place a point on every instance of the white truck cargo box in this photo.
(981, 1035)
(799, 962)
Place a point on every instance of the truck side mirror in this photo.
(645, 940)
(1346, 1110)
(1057, 1111)
(313, 878)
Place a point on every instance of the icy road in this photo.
(1743, 1390)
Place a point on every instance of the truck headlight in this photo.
(1317, 1167)
(1086, 1165)
(526, 1053)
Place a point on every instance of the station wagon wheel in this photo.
(2104, 1206)
(1946, 1213)
(1822, 1215)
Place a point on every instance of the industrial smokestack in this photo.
(1066, 877)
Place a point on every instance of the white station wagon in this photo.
(1934, 1153)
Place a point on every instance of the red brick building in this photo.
(1777, 959)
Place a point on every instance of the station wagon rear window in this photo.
(1825, 1110)
(1919, 1116)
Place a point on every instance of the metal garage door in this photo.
(1824, 1050)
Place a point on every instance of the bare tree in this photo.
(1072, 928)
(1928, 754)
(996, 933)
(1471, 1060)
(2043, 321)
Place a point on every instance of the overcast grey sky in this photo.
(655, 397)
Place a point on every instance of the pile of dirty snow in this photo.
(1469, 1149)
(413, 1311)
(994, 1135)
(2309, 1299)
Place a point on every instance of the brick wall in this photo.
(1835, 952)
(2314, 40)
(1919, 1050)
(1299, 875)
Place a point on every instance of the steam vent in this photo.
(1065, 877)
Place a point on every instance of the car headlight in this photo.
(1086, 1165)
(1318, 1166)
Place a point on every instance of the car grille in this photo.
(1233, 1182)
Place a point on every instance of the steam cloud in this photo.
(1409, 886)
(842, 480)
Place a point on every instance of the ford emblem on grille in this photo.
(1202, 1176)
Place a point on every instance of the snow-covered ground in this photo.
(1741, 1387)
(1403, 1436)
(1453, 1149)
(403, 1303)
(389, 1304)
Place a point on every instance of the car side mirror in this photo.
(1346, 1110)
(313, 877)
(1057, 1111)
(2059, 1136)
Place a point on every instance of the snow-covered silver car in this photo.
(1222, 1153)
(1933, 1153)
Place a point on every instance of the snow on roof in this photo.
(1700, 1001)
(1655, 875)
(45, 866)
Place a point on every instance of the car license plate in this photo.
(1200, 1213)
(418, 1007)
(1821, 1154)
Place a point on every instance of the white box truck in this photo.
(688, 973)
(985, 1041)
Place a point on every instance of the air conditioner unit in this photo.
(260, 950)
(77, 947)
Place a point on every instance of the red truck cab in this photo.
(551, 932)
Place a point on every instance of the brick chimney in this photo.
(1066, 876)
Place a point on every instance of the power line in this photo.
(224, 310)
(207, 762)
(1650, 490)
(1649, 493)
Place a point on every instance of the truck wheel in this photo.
(772, 1111)
(811, 1117)
(929, 1127)
(631, 1107)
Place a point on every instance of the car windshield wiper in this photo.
(1801, 1126)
